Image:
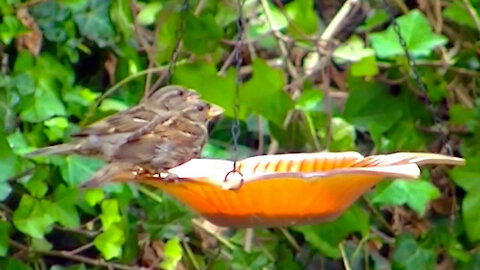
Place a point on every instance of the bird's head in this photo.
(201, 111)
(172, 97)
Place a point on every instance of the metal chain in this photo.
(180, 31)
(238, 64)
(413, 66)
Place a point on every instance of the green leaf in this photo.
(4, 238)
(213, 88)
(76, 169)
(202, 34)
(167, 37)
(304, 17)
(5, 190)
(122, 17)
(460, 115)
(326, 237)
(14, 264)
(468, 176)
(371, 106)
(416, 194)
(417, 33)
(110, 242)
(470, 206)
(149, 12)
(408, 255)
(94, 22)
(44, 103)
(93, 196)
(263, 93)
(36, 184)
(173, 254)
(110, 214)
(56, 128)
(63, 207)
(10, 164)
(457, 12)
(32, 217)
(40, 244)
(10, 28)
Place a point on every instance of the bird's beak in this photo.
(214, 111)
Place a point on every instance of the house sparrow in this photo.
(167, 146)
(102, 138)
(167, 128)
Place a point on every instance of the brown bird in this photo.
(167, 128)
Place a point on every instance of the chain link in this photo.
(180, 31)
(238, 64)
(414, 68)
(236, 122)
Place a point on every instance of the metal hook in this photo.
(225, 180)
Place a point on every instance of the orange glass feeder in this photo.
(286, 189)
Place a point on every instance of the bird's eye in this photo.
(180, 93)
(200, 108)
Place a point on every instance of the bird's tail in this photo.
(105, 175)
(61, 149)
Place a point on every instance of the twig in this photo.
(190, 255)
(80, 249)
(378, 216)
(472, 12)
(247, 245)
(150, 194)
(346, 264)
(220, 238)
(281, 45)
(290, 239)
(327, 106)
(74, 257)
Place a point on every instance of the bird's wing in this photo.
(126, 121)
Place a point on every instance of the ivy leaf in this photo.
(201, 34)
(44, 103)
(94, 22)
(93, 196)
(10, 28)
(263, 93)
(14, 264)
(32, 217)
(304, 17)
(5, 190)
(10, 164)
(173, 254)
(470, 206)
(76, 169)
(417, 33)
(36, 184)
(4, 238)
(408, 255)
(110, 242)
(110, 214)
(326, 237)
(213, 88)
(63, 207)
(416, 194)
(457, 12)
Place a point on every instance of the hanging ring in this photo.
(225, 180)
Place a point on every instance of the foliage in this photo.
(60, 58)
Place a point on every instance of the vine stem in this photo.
(75, 257)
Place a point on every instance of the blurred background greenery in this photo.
(314, 78)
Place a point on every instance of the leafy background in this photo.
(354, 91)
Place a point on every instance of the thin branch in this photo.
(74, 257)
(290, 239)
(283, 49)
(473, 13)
(220, 238)
(346, 264)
